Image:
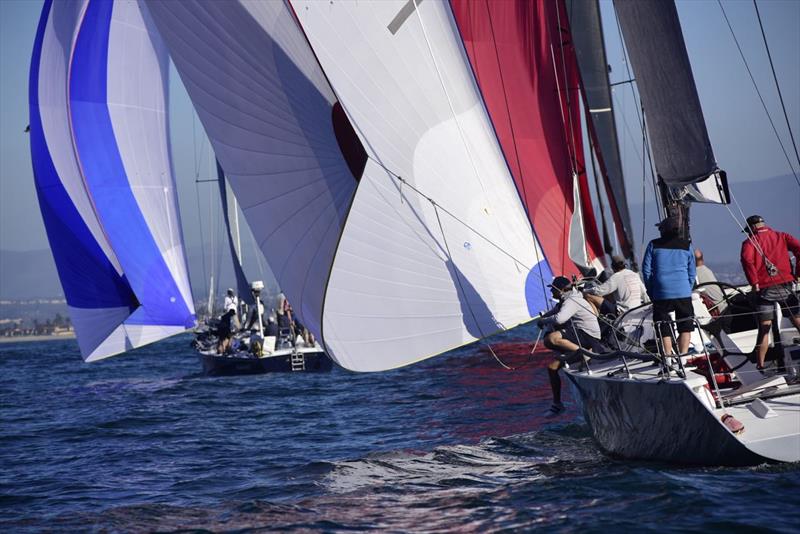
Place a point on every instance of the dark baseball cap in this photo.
(560, 282)
(754, 220)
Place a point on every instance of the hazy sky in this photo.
(743, 141)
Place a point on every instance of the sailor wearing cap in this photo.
(766, 263)
(572, 324)
(231, 303)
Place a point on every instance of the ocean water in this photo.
(143, 442)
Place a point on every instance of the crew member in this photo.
(765, 259)
(232, 303)
(706, 276)
(624, 286)
(573, 324)
(669, 273)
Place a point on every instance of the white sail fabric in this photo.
(267, 109)
(411, 280)
(138, 92)
(103, 174)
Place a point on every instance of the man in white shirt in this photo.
(231, 303)
(625, 286)
(712, 291)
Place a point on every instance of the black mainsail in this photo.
(587, 36)
(229, 210)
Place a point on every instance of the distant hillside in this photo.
(714, 229)
(32, 274)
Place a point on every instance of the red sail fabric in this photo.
(515, 49)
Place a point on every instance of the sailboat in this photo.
(428, 156)
(414, 173)
(103, 174)
(639, 404)
(279, 353)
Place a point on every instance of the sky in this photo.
(743, 140)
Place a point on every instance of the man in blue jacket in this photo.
(669, 271)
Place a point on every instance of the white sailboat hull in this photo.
(651, 419)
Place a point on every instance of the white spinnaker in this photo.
(266, 108)
(138, 67)
(410, 281)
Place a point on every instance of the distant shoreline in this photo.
(24, 339)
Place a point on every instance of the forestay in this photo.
(101, 163)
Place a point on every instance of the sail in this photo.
(587, 36)
(678, 136)
(386, 209)
(100, 152)
(524, 63)
(438, 250)
(230, 213)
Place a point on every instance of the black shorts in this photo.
(580, 338)
(684, 312)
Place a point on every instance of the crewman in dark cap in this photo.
(765, 260)
(572, 324)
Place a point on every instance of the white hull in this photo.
(668, 420)
(637, 413)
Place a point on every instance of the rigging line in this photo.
(202, 239)
(437, 207)
(458, 279)
(626, 61)
(447, 96)
(564, 220)
(777, 86)
(644, 195)
(647, 150)
(403, 181)
(573, 142)
(758, 92)
(607, 248)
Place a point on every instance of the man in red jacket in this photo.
(765, 259)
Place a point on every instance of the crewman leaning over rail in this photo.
(573, 324)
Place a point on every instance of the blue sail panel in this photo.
(110, 187)
(87, 276)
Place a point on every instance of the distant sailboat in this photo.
(100, 151)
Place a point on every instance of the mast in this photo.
(587, 35)
(684, 160)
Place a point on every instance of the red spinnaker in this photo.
(526, 69)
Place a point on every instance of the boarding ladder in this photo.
(298, 361)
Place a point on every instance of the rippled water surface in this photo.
(144, 442)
